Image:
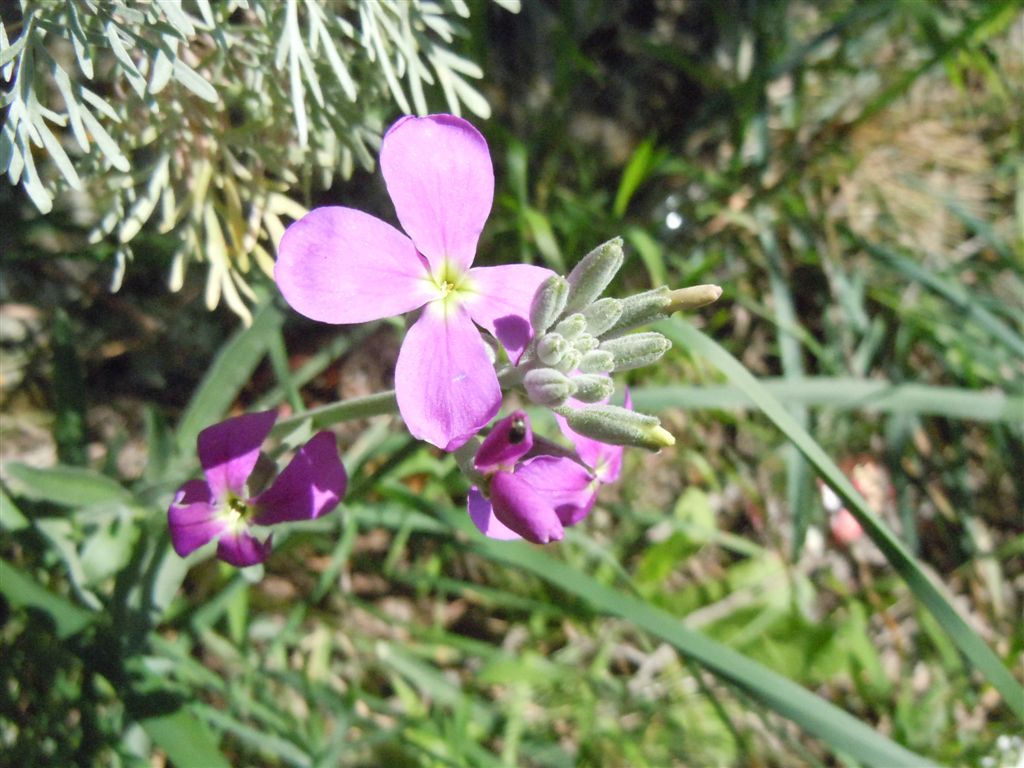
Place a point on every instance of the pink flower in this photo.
(340, 265)
(533, 498)
(222, 508)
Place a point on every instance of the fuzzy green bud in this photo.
(548, 303)
(591, 276)
(585, 342)
(602, 315)
(572, 326)
(636, 350)
(617, 426)
(551, 348)
(591, 388)
(548, 387)
(641, 309)
(571, 360)
(597, 361)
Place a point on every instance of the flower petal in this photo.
(482, 515)
(566, 486)
(242, 549)
(444, 381)
(502, 300)
(523, 510)
(229, 450)
(439, 175)
(510, 439)
(193, 518)
(340, 265)
(311, 485)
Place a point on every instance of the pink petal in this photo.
(510, 439)
(439, 175)
(445, 383)
(566, 486)
(242, 549)
(310, 486)
(228, 451)
(502, 302)
(523, 509)
(193, 518)
(340, 265)
(481, 513)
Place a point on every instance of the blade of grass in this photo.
(873, 395)
(920, 584)
(23, 590)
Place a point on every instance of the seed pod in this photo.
(552, 348)
(548, 387)
(641, 309)
(591, 276)
(597, 361)
(636, 350)
(591, 388)
(602, 315)
(617, 426)
(548, 303)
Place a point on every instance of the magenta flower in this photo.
(223, 508)
(533, 498)
(340, 265)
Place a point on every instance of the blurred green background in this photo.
(851, 173)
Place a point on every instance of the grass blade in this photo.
(920, 584)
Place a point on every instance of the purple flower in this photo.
(340, 265)
(533, 498)
(222, 507)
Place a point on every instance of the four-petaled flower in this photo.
(533, 498)
(223, 508)
(340, 265)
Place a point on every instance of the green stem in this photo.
(347, 410)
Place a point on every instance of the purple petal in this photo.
(310, 486)
(511, 438)
(524, 510)
(439, 175)
(481, 513)
(229, 450)
(445, 383)
(241, 549)
(340, 265)
(566, 486)
(502, 302)
(193, 518)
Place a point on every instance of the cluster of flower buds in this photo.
(580, 339)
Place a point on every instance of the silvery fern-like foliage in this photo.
(199, 118)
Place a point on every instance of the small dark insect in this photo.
(517, 432)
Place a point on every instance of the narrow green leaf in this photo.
(228, 373)
(185, 738)
(66, 486)
(22, 590)
(637, 169)
(195, 82)
(919, 582)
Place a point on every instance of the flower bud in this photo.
(602, 315)
(552, 348)
(572, 326)
(597, 361)
(548, 303)
(585, 343)
(592, 388)
(548, 387)
(510, 440)
(571, 361)
(636, 350)
(591, 276)
(641, 309)
(693, 297)
(617, 426)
